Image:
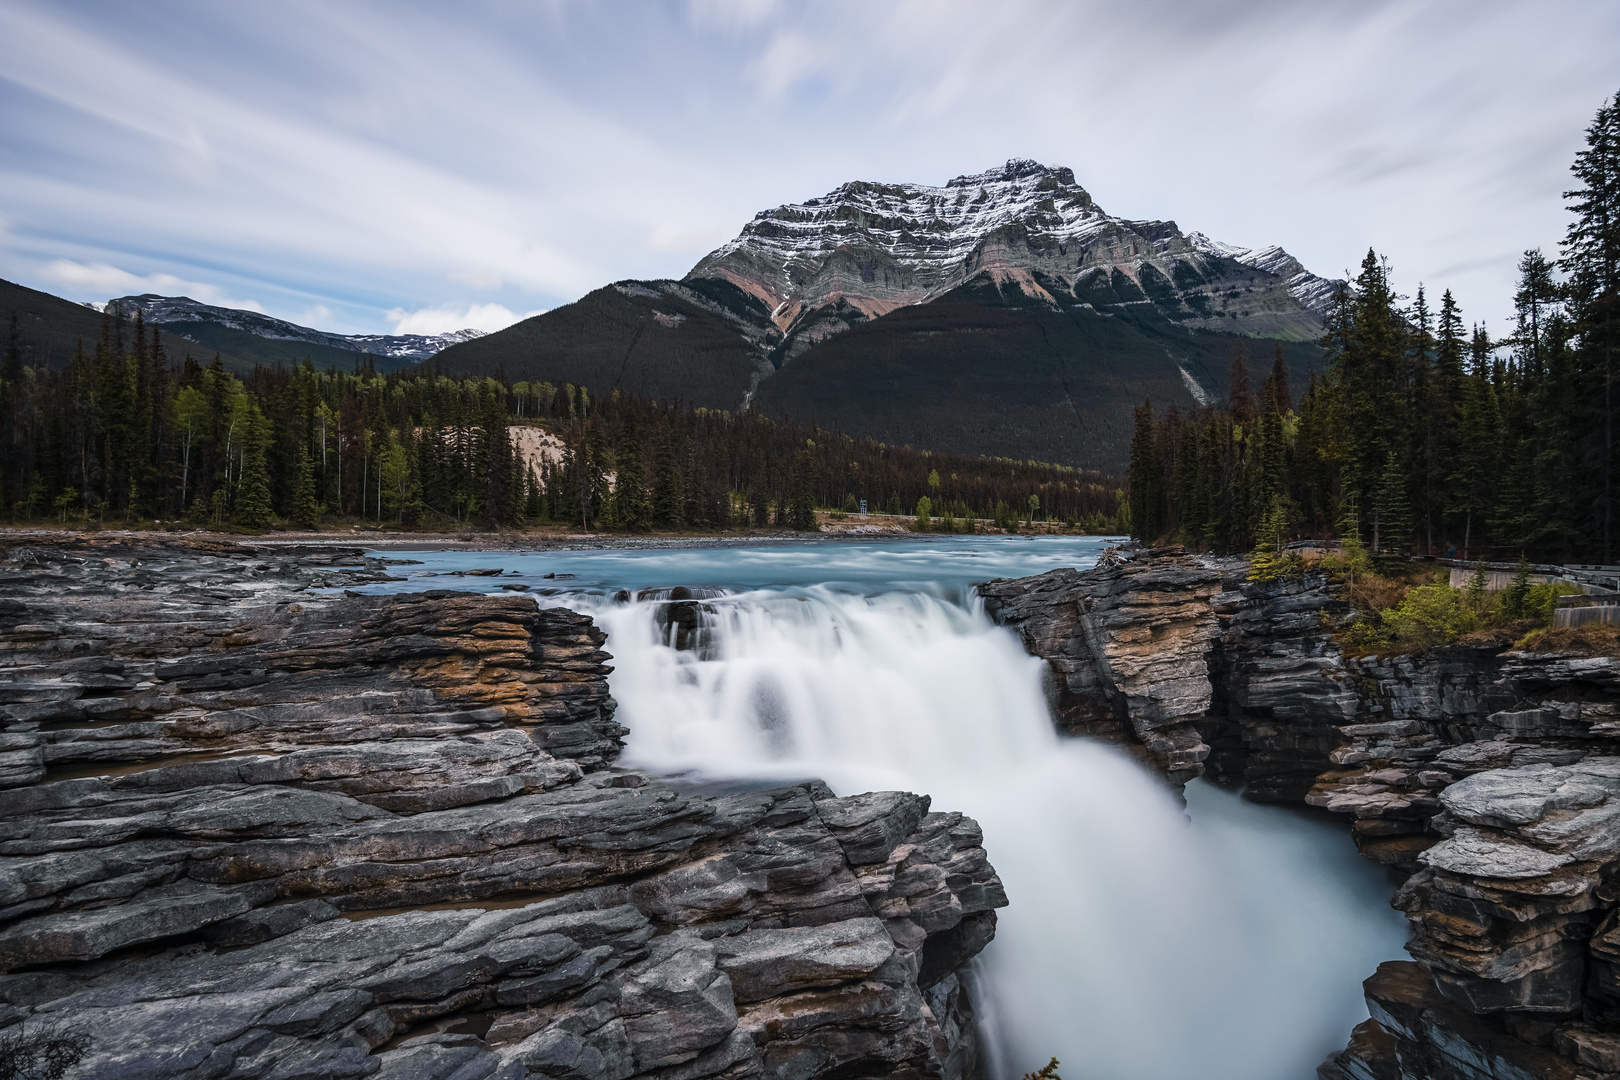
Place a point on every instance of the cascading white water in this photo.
(1136, 946)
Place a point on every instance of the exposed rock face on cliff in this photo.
(253, 830)
(1492, 778)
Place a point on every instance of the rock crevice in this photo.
(1488, 779)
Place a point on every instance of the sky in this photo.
(420, 167)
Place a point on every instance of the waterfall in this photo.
(1137, 946)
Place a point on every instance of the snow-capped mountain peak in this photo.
(873, 247)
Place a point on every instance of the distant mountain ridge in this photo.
(184, 313)
(50, 328)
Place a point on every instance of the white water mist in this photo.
(1136, 947)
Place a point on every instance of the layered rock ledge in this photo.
(1488, 780)
(254, 826)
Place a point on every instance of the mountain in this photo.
(269, 341)
(50, 328)
(879, 247)
(1003, 313)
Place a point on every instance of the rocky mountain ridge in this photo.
(1489, 779)
(253, 825)
(877, 247)
(188, 316)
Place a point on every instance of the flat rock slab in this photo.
(256, 827)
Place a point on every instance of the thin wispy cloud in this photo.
(108, 282)
(369, 159)
(443, 319)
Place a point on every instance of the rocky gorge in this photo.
(253, 825)
(1486, 779)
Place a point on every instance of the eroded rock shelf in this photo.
(253, 826)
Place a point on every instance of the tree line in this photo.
(124, 434)
(1422, 434)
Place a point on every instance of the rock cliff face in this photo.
(1490, 779)
(249, 829)
(1128, 643)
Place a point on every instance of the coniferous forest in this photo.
(123, 434)
(1424, 434)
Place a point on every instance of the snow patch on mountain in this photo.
(1313, 292)
(921, 225)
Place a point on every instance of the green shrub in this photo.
(1433, 615)
(925, 506)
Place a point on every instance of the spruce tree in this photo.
(1591, 258)
(802, 500)
(668, 500)
(630, 488)
(305, 511)
(1392, 520)
(1147, 481)
(601, 461)
(1474, 474)
(1270, 560)
(253, 507)
(1370, 369)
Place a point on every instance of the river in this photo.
(1226, 942)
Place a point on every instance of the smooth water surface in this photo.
(1137, 946)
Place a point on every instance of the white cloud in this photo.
(688, 241)
(732, 15)
(351, 155)
(483, 280)
(317, 316)
(104, 282)
(448, 317)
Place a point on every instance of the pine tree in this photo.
(1271, 560)
(601, 461)
(1392, 521)
(253, 508)
(1513, 599)
(1370, 369)
(668, 502)
(1591, 258)
(802, 500)
(305, 510)
(1473, 479)
(1239, 391)
(1147, 481)
(630, 489)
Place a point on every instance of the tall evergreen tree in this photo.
(1147, 480)
(253, 505)
(305, 511)
(630, 488)
(1591, 258)
(668, 497)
